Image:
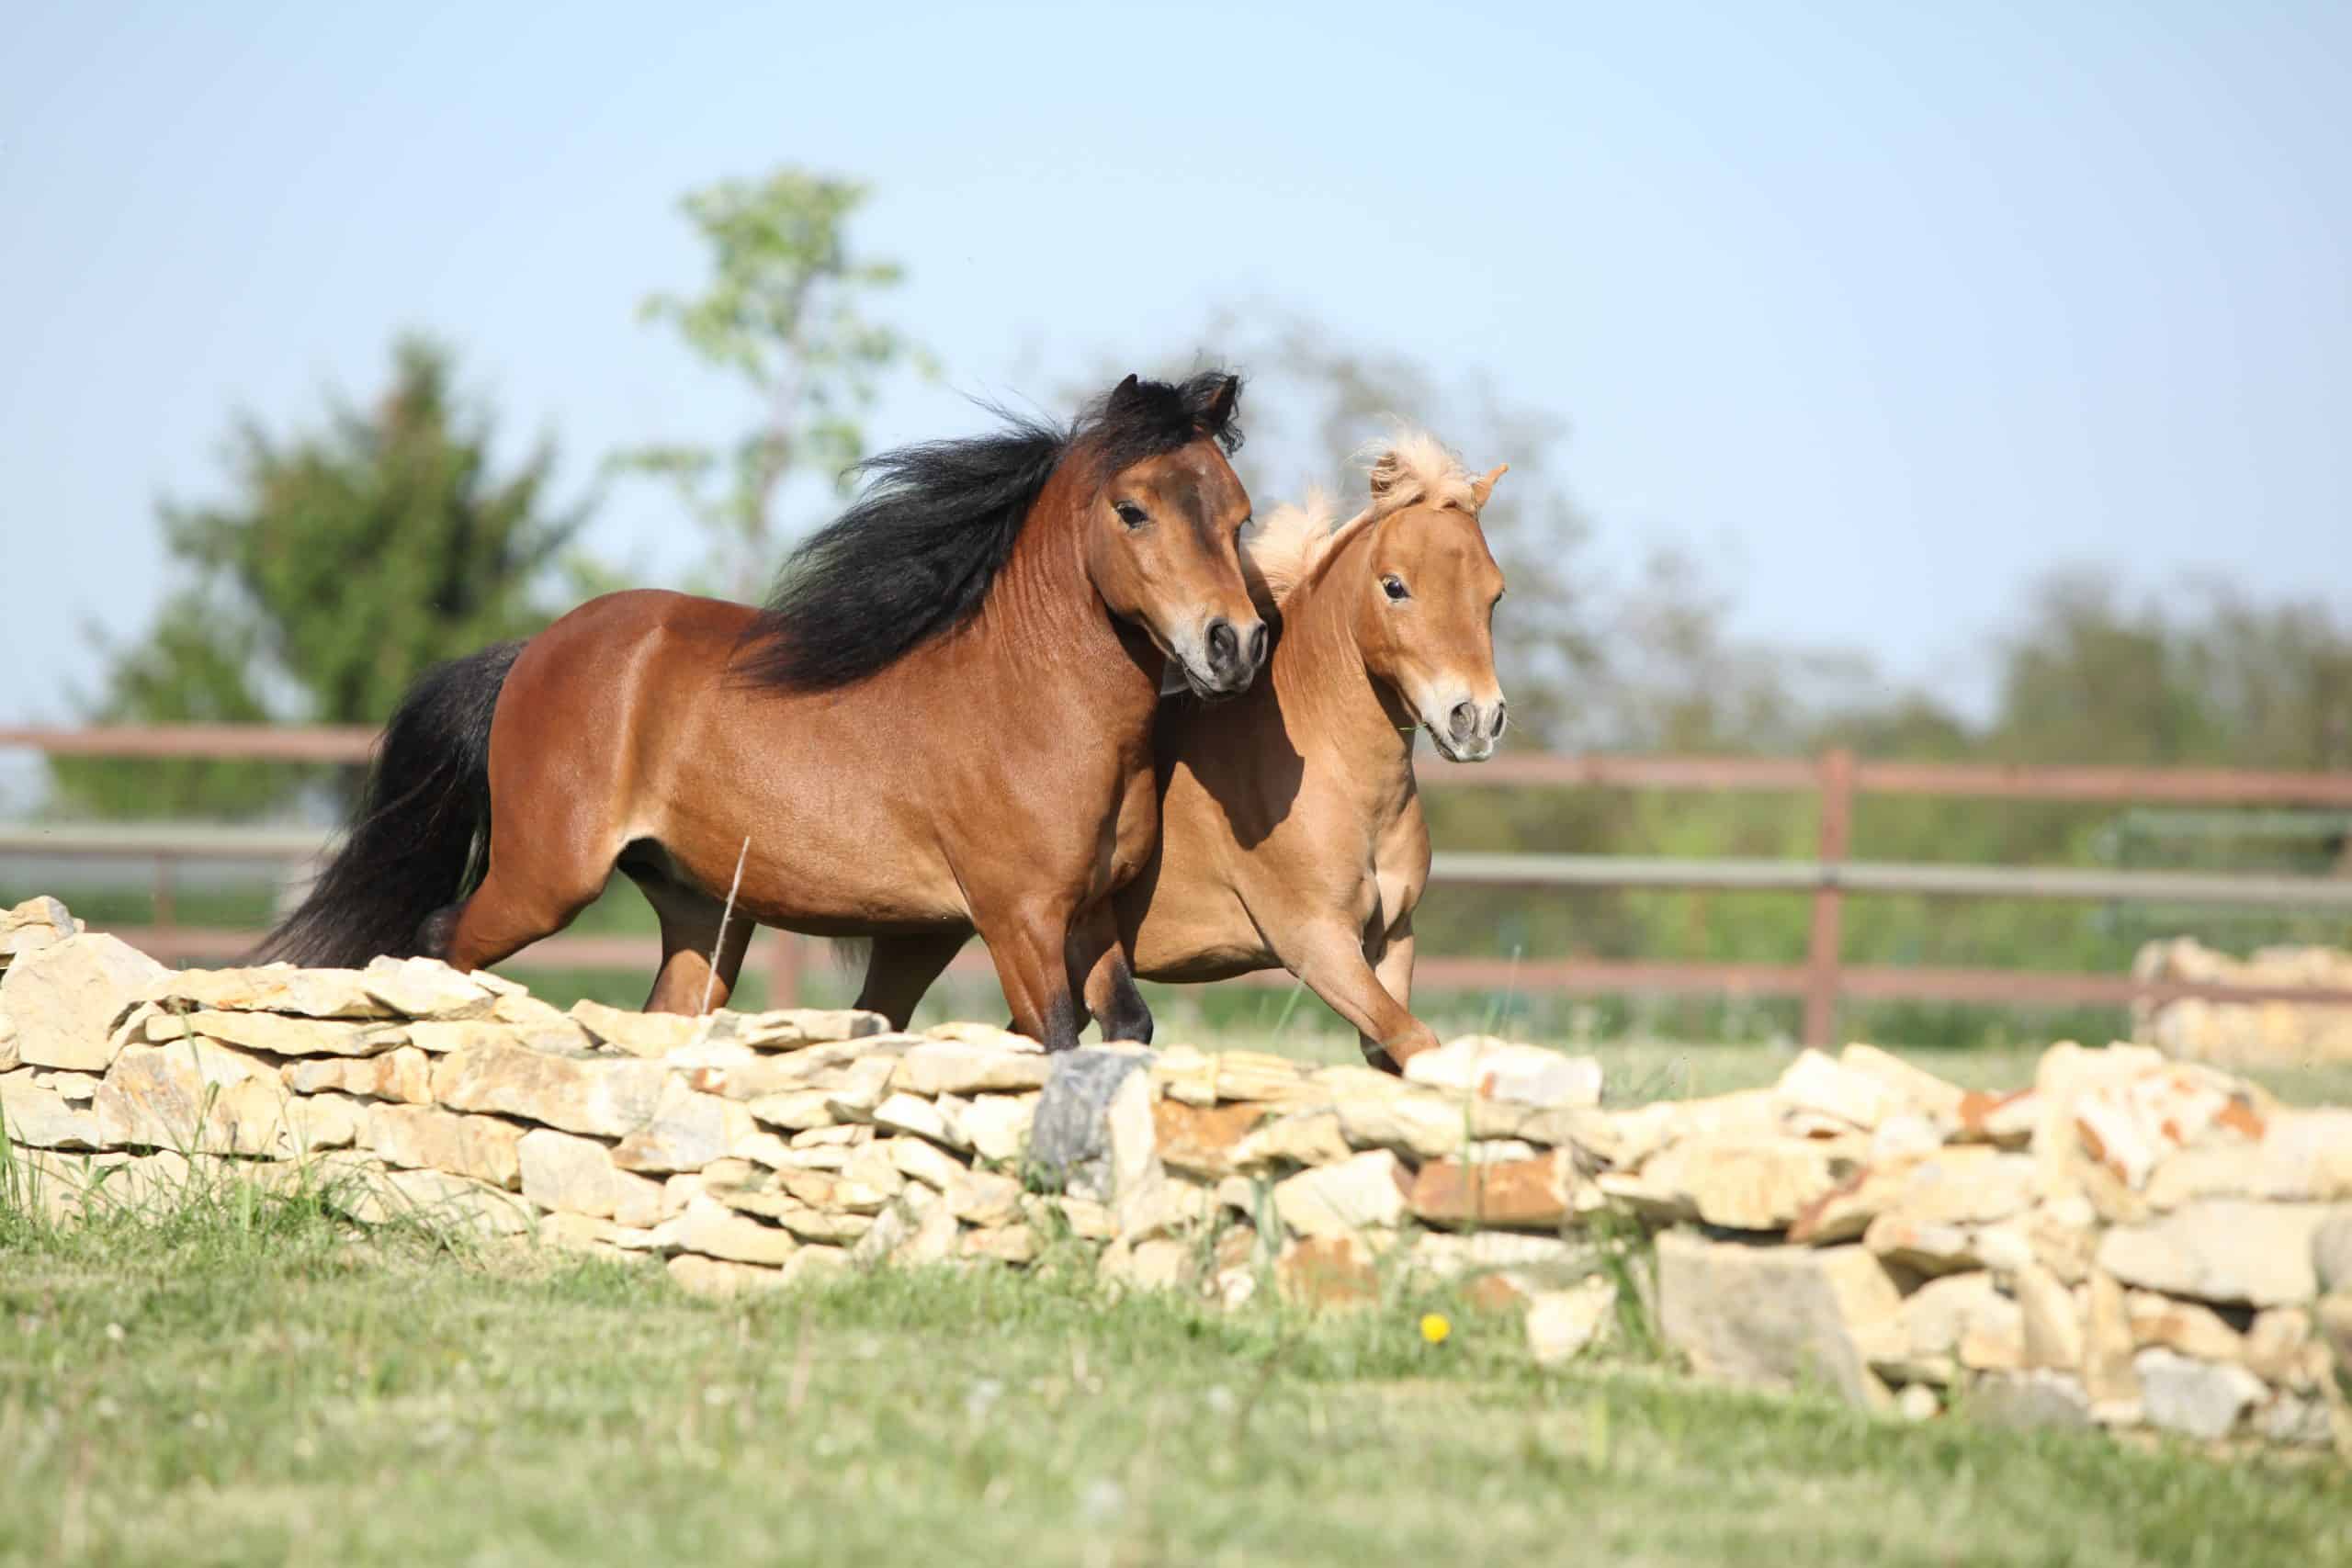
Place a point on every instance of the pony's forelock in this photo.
(1409, 466)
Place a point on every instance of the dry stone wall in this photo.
(2275, 1032)
(2127, 1242)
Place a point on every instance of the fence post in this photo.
(1828, 925)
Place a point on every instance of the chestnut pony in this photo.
(1291, 833)
(939, 722)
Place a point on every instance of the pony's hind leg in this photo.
(509, 911)
(903, 968)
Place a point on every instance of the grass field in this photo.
(237, 1379)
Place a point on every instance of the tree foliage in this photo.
(345, 560)
(784, 314)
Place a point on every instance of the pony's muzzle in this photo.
(1471, 730)
(1233, 654)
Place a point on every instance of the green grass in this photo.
(233, 1378)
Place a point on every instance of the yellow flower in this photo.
(1434, 1328)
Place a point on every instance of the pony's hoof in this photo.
(1378, 1057)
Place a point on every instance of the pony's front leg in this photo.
(1099, 966)
(1394, 969)
(1331, 960)
(1030, 945)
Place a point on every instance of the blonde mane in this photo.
(1411, 468)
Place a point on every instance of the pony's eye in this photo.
(1131, 514)
(1393, 586)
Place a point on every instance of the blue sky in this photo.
(1883, 309)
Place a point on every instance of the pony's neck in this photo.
(1054, 623)
(1325, 684)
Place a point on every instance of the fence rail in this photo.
(1837, 778)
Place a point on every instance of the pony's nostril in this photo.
(1500, 710)
(1258, 646)
(1463, 722)
(1224, 647)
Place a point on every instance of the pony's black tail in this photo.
(410, 849)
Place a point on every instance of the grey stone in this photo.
(2296, 1422)
(1775, 1317)
(1070, 1141)
(2038, 1398)
(2197, 1399)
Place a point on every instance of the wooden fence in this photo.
(1837, 779)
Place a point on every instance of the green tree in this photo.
(346, 560)
(784, 312)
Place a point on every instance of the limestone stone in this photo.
(834, 1193)
(824, 1227)
(577, 1175)
(2109, 1343)
(1929, 1247)
(923, 1160)
(1419, 1126)
(194, 1095)
(37, 1116)
(715, 1231)
(2052, 1324)
(2187, 1328)
(606, 1099)
(933, 1239)
(1545, 1261)
(795, 1111)
(2280, 1348)
(62, 999)
(483, 1148)
(2301, 1155)
(1774, 1317)
(449, 1037)
(441, 1200)
(1908, 1086)
(862, 1086)
(637, 1033)
(1159, 1265)
(1961, 1185)
(792, 1029)
(911, 1114)
(1644, 1130)
(1092, 1130)
(9, 1060)
(1305, 1137)
(687, 1132)
(955, 1066)
(270, 987)
(1539, 1193)
(2038, 1397)
(34, 923)
(1756, 1184)
(1816, 1083)
(578, 1233)
(1327, 1271)
(713, 1278)
(1938, 1317)
(2331, 1251)
(1561, 1324)
(284, 1036)
(1498, 1069)
(425, 987)
(1199, 1078)
(2197, 1399)
(403, 1075)
(980, 1198)
(1200, 1139)
(1365, 1191)
(997, 1126)
(1917, 1402)
(2332, 1316)
(1014, 1244)
(2220, 1249)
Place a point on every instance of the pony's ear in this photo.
(1386, 470)
(1125, 392)
(1483, 485)
(1218, 412)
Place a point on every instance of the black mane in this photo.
(914, 555)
